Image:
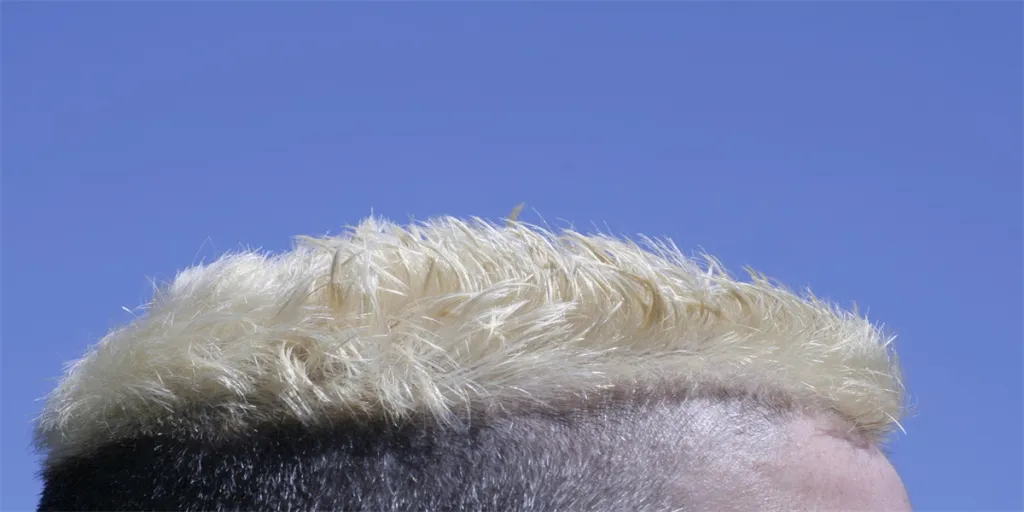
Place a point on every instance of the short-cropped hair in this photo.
(443, 365)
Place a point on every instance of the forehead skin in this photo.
(829, 467)
(819, 465)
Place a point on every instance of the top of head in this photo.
(445, 316)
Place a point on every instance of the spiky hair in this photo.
(441, 318)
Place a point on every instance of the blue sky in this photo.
(870, 150)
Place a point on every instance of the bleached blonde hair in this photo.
(440, 316)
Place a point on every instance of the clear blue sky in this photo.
(870, 150)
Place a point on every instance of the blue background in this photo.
(870, 150)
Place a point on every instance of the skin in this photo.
(829, 468)
(818, 465)
(694, 455)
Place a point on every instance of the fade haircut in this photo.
(447, 365)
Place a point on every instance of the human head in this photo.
(467, 365)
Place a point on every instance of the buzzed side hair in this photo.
(612, 454)
(447, 364)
